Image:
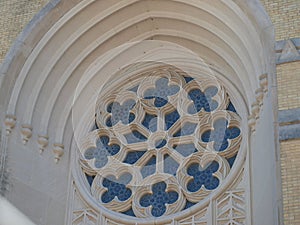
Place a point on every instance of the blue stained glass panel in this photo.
(90, 179)
(220, 134)
(170, 165)
(109, 107)
(160, 143)
(108, 122)
(135, 137)
(171, 118)
(159, 199)
(188, 204)
(185, 149)
(203, 177)
(150, 122)
(134, 89)
(210, 92)
(102, 151)
(206, 136)
(231, 160)
(160, 102)
(120, 112)
(188, 79)
(133, 157)
(131, 117)
(231, 107)
(203, 100)
(116, 188)
(187, 129)
(129, 212)
(161, 92)
(149, 168)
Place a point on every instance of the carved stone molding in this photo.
(43, 141)
(257, 105)
(263, 81)
(251, 123)
(84, 217)
(255, 109)
(231, 208)
(58, 151)
(201, 217)
(10, 122)
(259, 96)
(26, 132)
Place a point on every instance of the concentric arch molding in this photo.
(233, 49)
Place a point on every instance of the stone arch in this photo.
(63, 56)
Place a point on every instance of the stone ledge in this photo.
(289, 132)
(289, 116)
(287, 50)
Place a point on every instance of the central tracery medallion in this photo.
(163, 142)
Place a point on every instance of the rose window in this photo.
(163, 141)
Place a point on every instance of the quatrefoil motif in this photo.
(220, 134)
(161, 92)
(202, 100)
(116, 188)
(202, 176)
(120, 112)
(177, 136)
(101, 152)
(159, 199)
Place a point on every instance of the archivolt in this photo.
(225, 34)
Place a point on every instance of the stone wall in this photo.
(285, 14)
(290, 164)
(14, 15)
(288, 80)
(285, 17)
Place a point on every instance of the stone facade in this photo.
(285, 17)
(288, 92)
(290, 180)
(14, 16)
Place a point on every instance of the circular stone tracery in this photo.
(164, 142)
